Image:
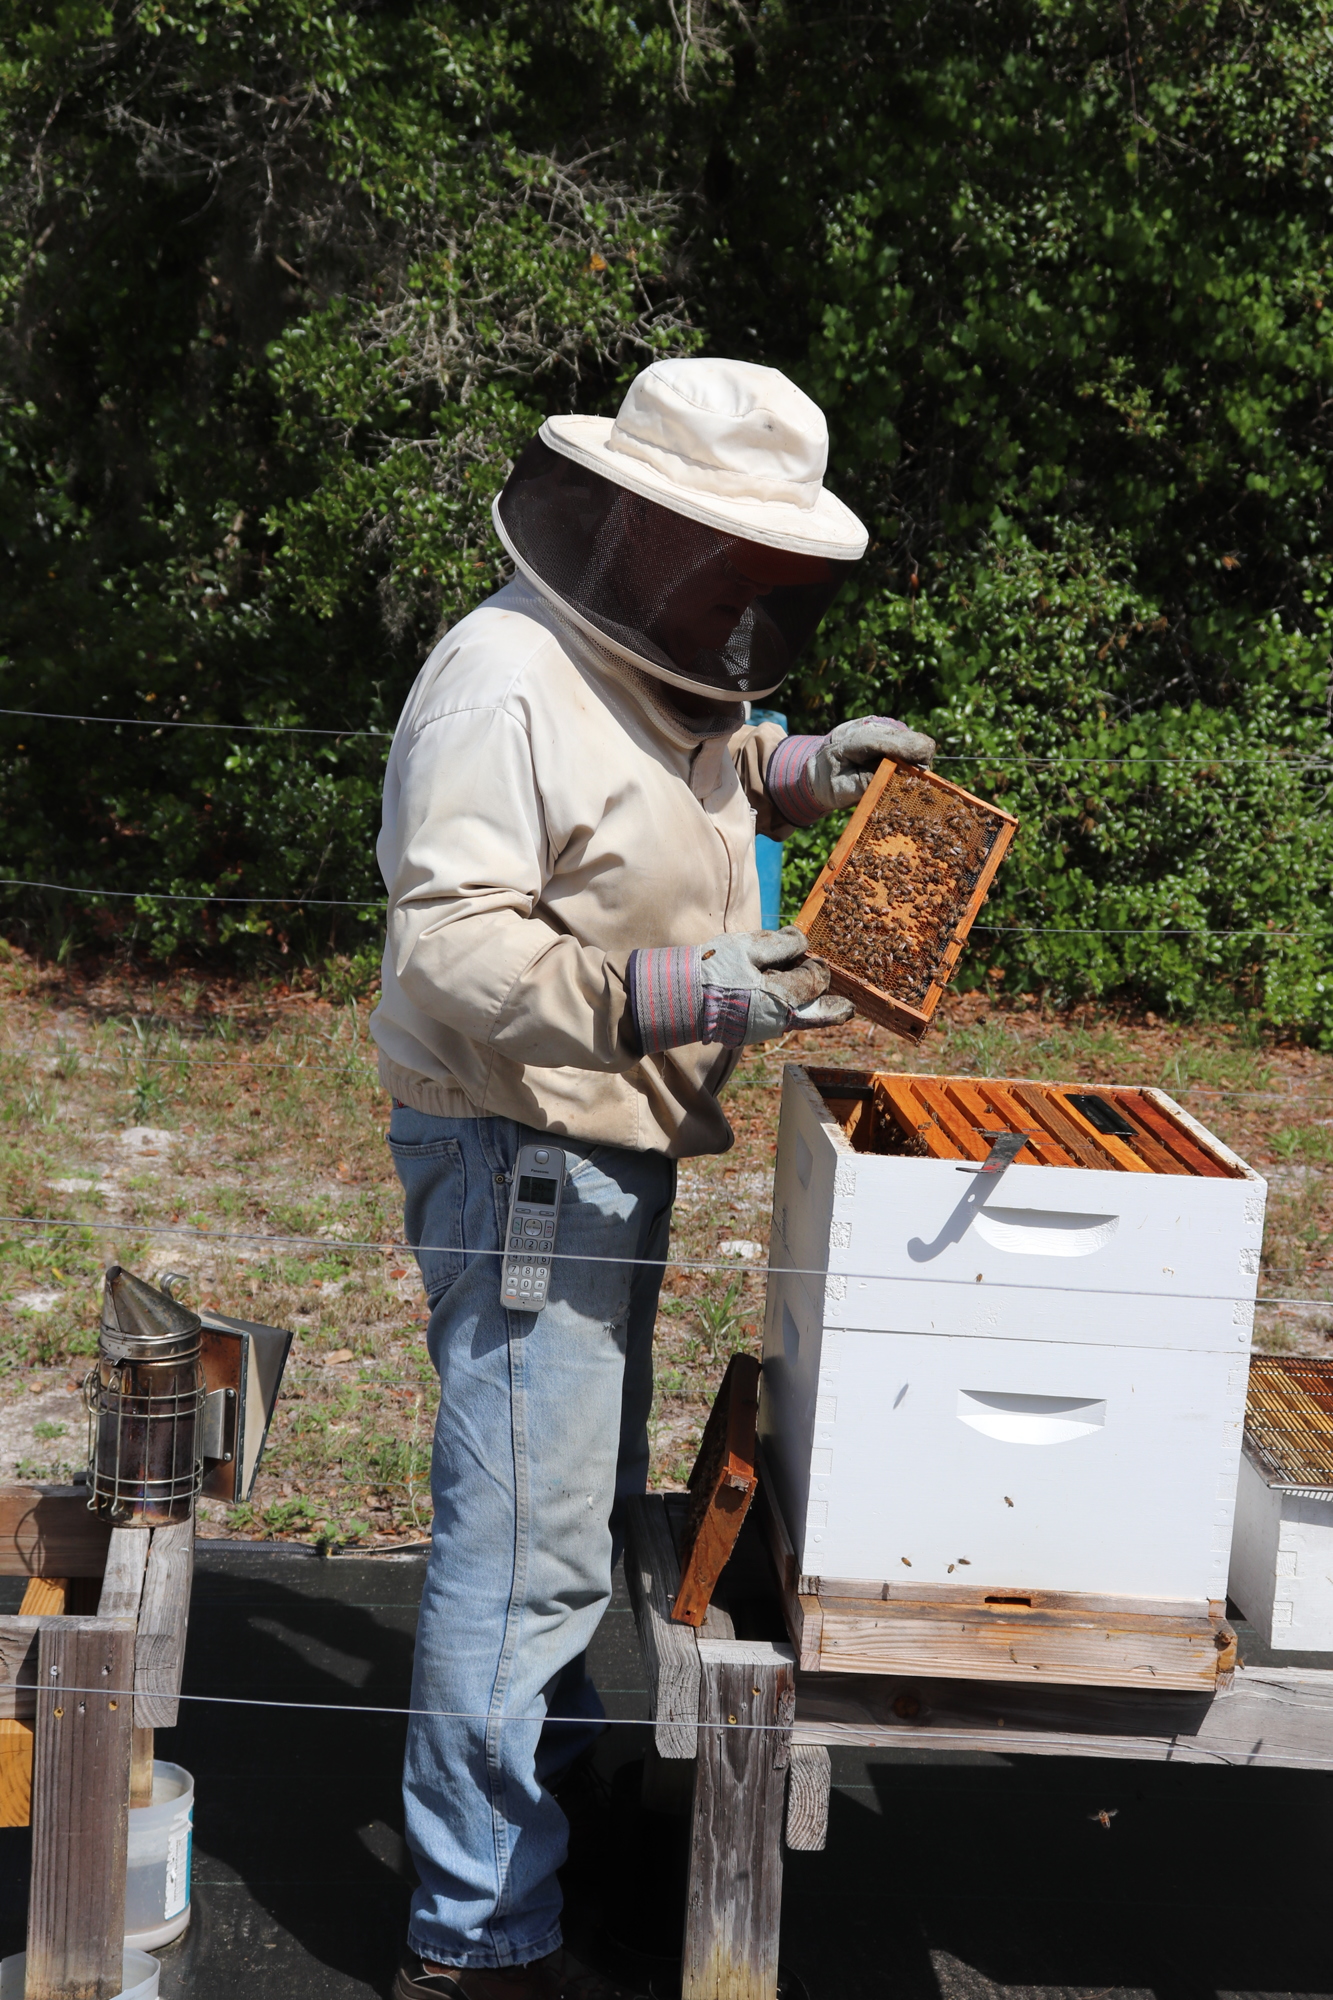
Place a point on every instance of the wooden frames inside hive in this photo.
(893, 906)
(1110, 1128)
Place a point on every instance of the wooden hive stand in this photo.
(103, 1609)
(743, 1731)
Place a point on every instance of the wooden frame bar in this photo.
(906, 1020)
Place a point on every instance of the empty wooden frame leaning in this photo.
(894, 903)
(721, 1488)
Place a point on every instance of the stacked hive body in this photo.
(892, 907)
(1008, 1392)
(1282, 1550)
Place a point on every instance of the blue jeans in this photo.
(542, 1431)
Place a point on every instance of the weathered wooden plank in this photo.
(15, 1773)
(164, 1610)
(874, 1592)
(735, 1881)
(122, 1579)
(670, 1651)
(809, 1783)
(48, 1531)
(1268, 1717)
(722, 1486)
(1019, 1643)
(80, 1807)
(19, 1637)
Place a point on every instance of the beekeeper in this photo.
(574, 954)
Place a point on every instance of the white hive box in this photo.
(1282, 1548)
(1024, 1387)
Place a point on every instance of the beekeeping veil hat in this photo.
(692, 534)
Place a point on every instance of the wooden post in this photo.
(81, 1783)
(164, 1611)
(735, 1892)
(122, 1592)
(670, 1651)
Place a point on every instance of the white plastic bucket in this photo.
(157, 1861)
(138, 1973)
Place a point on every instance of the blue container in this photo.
(768, 853)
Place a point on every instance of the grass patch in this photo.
(252, 1109)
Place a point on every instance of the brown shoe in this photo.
(557, 1977)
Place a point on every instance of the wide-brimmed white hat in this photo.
(728, 443)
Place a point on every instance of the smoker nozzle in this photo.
(141, 1323)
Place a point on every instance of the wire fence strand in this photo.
(395, 1246)
(373, 904)
(203, 896)
(164, 722)
(817, 1730)
(119, 1059)
(1300, 760)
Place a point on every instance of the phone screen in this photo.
(531, 1187)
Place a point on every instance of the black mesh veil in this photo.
(694, 607)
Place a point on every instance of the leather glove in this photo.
(808, 776)
(742, 987)
(847, 759)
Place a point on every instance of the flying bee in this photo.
(1105, 1816)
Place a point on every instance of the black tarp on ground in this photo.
(945, 1877)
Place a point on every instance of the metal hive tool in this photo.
(892, 907)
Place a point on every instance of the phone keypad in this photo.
(527, 1263)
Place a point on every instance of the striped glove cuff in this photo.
(787, 780)
(672, 1007)
(666, 993)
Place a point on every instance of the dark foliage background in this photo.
(283, 292)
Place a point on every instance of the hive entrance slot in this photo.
(1025, 1603)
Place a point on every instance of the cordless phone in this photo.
(534, 1210)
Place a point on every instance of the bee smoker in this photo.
(145, 1397)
